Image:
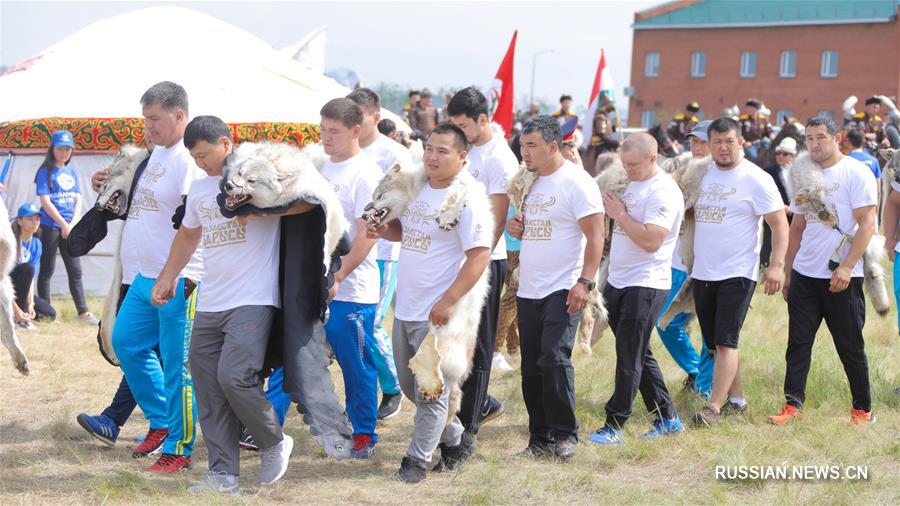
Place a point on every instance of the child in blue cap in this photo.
(60, 194)
(28, 307)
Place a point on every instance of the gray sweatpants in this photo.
(430, 425)
(227, 353)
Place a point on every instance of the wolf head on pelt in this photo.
(114, 193)
(398, 186)
(892, 167)
(272, 177)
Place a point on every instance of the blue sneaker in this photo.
(664, 427)
(101, 427)
(607, 436)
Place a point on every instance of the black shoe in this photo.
(411, 470)
(390, 405)
(247, 443)
(492, 409)
(564, 450)
(452, 457)
(537, 450)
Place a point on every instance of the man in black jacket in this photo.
(784, 157)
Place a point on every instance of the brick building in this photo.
(799, 57)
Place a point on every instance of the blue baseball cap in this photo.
(700, 130)
(62, 138)
(29, 209)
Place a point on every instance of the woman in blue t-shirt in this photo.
(28, 307)
(59, 190)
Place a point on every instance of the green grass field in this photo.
(46, 458)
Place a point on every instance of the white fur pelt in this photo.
(113, 197)
(447, 350)
(272, 175)
(8, 256)
(687, 173)
(810, 197)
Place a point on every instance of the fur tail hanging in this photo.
(874, 276)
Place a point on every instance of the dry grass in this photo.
(45, 457)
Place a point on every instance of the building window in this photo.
(829, 64)
(648, 118)
(788, 67)
(651, 65)
(782, 116)
(698, 64)
(748, 64)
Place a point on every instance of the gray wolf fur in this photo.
(447, 350)
(687, 173)
(276, 175)
(8, 256)
(113, 197)
(809, 196)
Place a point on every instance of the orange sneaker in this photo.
(859, 417)
(788, 415)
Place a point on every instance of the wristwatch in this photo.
(588, 283)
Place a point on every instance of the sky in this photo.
(420, 44)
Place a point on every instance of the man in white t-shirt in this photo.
(437, 267)
(351, 326)
(734, 195)
(647, 222)
(826, 274)
(493, 164)
(561, 229)
(161, 383)
(235, 309)
(387, 153)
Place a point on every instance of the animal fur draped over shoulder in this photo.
(270, 178)
(519, 187)
(809, 187)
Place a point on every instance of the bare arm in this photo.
(648, 237)
(183, 247)
(499, 208)
(891, 217)
(774, 275)
(76, 211)
(865, 217)
(477, 260)
(593, 229)
(362, 244)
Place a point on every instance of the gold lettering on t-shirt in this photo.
(415, 240)
(223, 234)
(144, 200)
(709, 213)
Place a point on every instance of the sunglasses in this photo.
(782, 153)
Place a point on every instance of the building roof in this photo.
(739, 13)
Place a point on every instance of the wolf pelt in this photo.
(809, 196)
(276, 175)
(687, 173)
(447, 350)
(8, 256)
(113, 197)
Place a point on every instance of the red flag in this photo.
(501, 95)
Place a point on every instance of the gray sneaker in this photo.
(219, 483)
(274, 461)
(88, 319)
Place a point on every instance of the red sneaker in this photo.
(363, 446)
(152, 444)
(169, 464)
(859, 417)
(789, 414)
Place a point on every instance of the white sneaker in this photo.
(26, 326)
(274, 461)
(220, 483)
(88, 319)
(500, 364)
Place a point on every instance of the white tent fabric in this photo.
(102, 70)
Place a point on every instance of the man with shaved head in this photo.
(647, 219)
